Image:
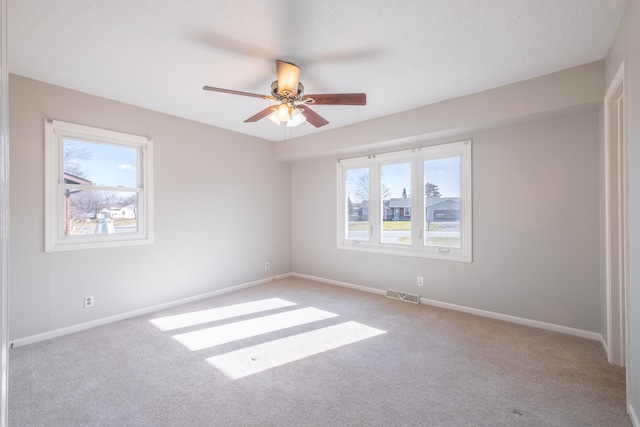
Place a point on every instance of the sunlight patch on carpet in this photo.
(251, 360)
(184, 320)
(210, 337)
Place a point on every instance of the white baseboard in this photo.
(498, 316)
(106, 320)
(111, 319)
(337, 283)
(634, 417)
(518, 320)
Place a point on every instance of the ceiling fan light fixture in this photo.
(283, 112)
(297, 118)
(274, 119)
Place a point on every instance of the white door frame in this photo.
(4, 217)
(616, 220)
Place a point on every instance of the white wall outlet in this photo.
(266, 265)
(88, 301)
(420, 281)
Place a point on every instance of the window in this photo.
(378, 193)
(98, 188)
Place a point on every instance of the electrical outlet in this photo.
(88, 301)
(420, 281)
(266, 265)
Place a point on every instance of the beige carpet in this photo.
(301, 353)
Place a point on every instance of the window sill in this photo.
(453, 254)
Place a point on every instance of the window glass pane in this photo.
(100, 212)
(99, 164)
(396, 203)
(442, 202)
(357, 204)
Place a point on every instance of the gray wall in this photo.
(535, 257)
(537, 151)
(626, 45)
(222, 209)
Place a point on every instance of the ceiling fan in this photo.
(293, 108)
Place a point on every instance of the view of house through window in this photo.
(415, 202)
(396, 206)
(442, 202)
(89, 211)
(357, 183)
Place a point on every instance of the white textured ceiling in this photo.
(158, 54)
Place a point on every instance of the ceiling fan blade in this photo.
(312, 117)
(337, 99)
(260, 115)
(237, 92)
(288, 77)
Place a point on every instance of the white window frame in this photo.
(417, 157)
(55, 239)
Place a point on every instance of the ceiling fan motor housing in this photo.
(285, 95)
